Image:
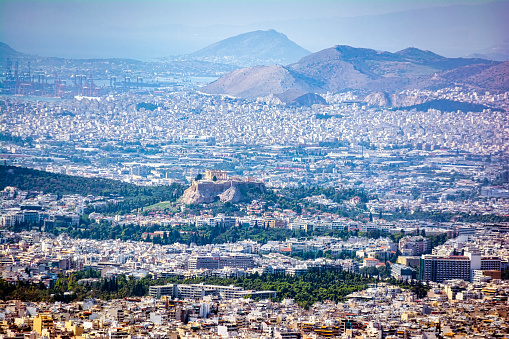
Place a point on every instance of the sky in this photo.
(156, 28)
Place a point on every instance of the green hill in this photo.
(448, 106)
(135, 196)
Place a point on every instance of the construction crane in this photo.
(57, 87)
(82, 83)
(16, 77)
(92, 85)
(127, 83)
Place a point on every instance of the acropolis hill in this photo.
(216, 185)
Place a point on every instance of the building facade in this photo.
(416, 245)
(438, 268)
(402, 272)
(197, 262)
(198, 291)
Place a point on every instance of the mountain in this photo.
(494, 78)
(7, 51)
(450, 30)
(498, 52)
(252, 48)
(257, 81)
(343, 68)
(300, 98)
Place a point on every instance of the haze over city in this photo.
(149, 29)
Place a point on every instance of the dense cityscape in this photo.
(255, 189)
(415, 179)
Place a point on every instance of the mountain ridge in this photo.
(343, 67)
(252, 48)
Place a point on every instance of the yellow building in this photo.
(412, 261)
(406, 316)
(76, 329)
(42, 322)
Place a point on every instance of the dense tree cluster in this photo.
(314, 286)
(16, 140)
(293, 199)
(22, 291)
(146, 105)
(448, 106)
(439, 216)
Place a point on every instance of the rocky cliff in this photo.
(226, 191)
(393, 100)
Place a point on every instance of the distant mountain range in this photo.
(250, 49)
(450, 28)
(343, 68)
(498, 52)
(281, 68)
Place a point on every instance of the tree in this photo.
(199, 177)
(214, 178)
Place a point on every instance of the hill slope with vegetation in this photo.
(133, 196)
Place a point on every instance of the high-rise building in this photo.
(43, 321)
(440, 268)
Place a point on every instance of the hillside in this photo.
(300, 98)
(134, 196)
(34, 180)
(7, 51)
(255, 81)
(495, 78)
(480, 76)
(343, 68)
(252, 48)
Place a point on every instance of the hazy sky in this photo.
(144, 29)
